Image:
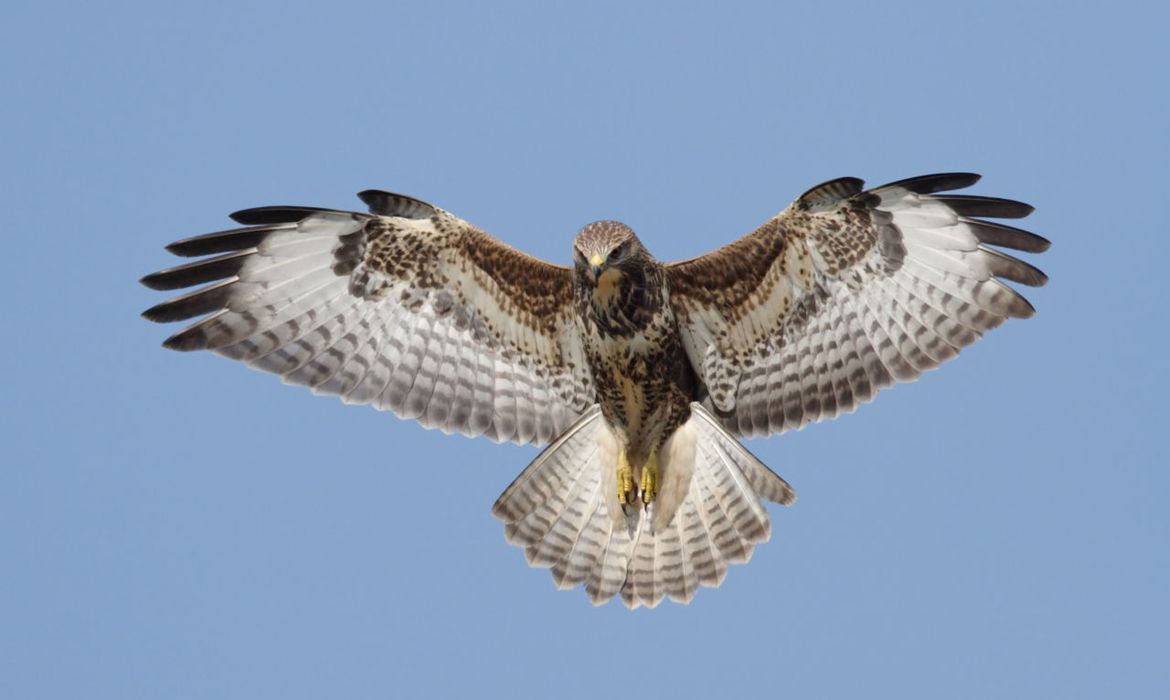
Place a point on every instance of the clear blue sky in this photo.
(178, 526)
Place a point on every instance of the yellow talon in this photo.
(650, 479)
(625, 479)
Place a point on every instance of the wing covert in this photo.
(846, 292)
(408, 308)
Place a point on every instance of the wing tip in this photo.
(277, 214)
(183, 342)
(1004, 236)
(979, 206)
(183, 247)
(153, 281)
(935, 182)
(229, 241)
(196, 303)
(198, 272)
(1023, 208)
(259, 216)
(1014, 269)
(162, 312)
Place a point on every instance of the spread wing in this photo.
(407, 308)
(846, 292)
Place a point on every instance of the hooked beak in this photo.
(596, 266)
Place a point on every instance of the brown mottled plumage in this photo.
(619, 359)
(640, 373)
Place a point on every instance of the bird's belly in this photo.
(640, 394)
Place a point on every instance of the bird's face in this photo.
(603, 254)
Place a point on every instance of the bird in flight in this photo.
(639, 376)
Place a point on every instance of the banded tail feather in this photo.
(563, 511)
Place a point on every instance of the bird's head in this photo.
(606, 254)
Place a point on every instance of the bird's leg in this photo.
(625, 479)
(650, 478)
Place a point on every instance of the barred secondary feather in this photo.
(619, 362)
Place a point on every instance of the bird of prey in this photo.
(639, 376)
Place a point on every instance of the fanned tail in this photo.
(708, 514)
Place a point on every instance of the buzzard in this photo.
(639, 376)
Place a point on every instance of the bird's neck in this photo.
(625, 303)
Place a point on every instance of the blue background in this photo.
(176, 526)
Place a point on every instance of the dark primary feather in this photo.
(1006, 236)
(938, 182)
(201, 301)
(1009, 268)
(974, 205)
(224, 241)
(198, 272)
(260, 216)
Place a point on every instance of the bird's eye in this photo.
(619, 252)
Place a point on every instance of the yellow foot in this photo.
(625, 480)
(650, 479)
